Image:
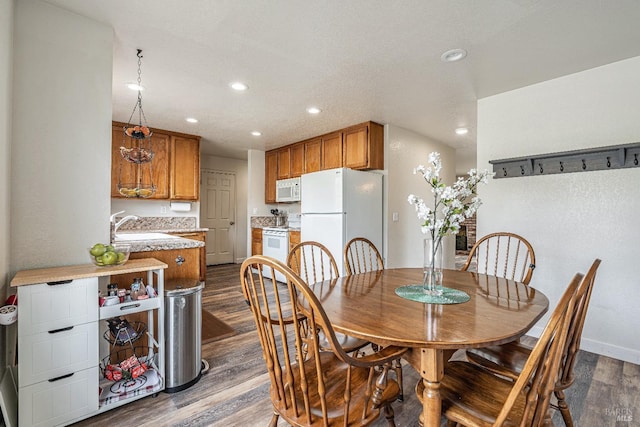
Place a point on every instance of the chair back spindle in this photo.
(506, 255)
(361, 256)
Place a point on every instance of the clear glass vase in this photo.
(432, 281)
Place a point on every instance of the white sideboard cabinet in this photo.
(63, 344)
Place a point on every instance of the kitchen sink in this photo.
(124, 237)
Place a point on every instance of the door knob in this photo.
(231, 222)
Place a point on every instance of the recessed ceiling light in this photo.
(134, 86)
(462, 131)
(313, 110)
(191, 120)
(239, 86)
(453, 55)
(256, 133)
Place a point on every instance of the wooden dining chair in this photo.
(313, 263)
(361, 255)
(473, 396)
(320, 387)
(509, 359)
(503, 255)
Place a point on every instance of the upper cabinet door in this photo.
(297, 160)
(121, 171)
(364, 146)
(159, 170)
(356, 154)
(332, 151)
(271, 175)
(185, 168)
(312, 155)
(284, 163)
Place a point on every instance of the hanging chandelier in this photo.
(136, 149)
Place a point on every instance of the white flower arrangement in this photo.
(451, 204)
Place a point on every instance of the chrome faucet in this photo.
(115, 225)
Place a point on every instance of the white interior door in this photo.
(218, 214)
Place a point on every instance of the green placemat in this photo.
(416, 293)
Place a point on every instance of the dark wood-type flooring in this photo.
(235, 390)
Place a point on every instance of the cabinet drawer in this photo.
(49, 355)
(50, 403)
(45, 307)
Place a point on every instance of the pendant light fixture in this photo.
(136, 150)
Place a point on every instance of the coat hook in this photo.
(608, 161)
(635, 159)
(584, 165)
(504, 172)
(521, 170)
(561, 166)
(541, 170)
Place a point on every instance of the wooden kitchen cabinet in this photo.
(357, 147)
(296, 160)
(182, 263)
(175, 167)
(256, 241)
(185, 168)
(312, 155)
(271, 175)
(200, 236)
(332, 151)
(128, 173)
(294, 239)
(284, 163)
(363, 146)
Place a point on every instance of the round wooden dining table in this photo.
(366, 306)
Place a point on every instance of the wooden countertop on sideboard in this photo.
(56, 274)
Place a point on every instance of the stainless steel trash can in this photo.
(183, 328)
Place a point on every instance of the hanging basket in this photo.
(137, 155)
(137, 131)
(136, 190)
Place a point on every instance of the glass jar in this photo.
(136, 286)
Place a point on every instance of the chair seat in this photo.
(475, 397)
(506, 359)
(335, 377)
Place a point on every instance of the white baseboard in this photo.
(605, 349)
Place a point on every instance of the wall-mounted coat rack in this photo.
(591, 159)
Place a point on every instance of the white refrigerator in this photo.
(338, 205)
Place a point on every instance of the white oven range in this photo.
(275, 244)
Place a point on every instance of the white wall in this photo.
(6, 63)
(61, 136)
(572, 219)
(239, 168)
(255, 189)
(404, 150)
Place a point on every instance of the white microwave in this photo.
(288, 190)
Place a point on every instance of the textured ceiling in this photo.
(357, 60)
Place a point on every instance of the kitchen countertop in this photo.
(163, 244)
